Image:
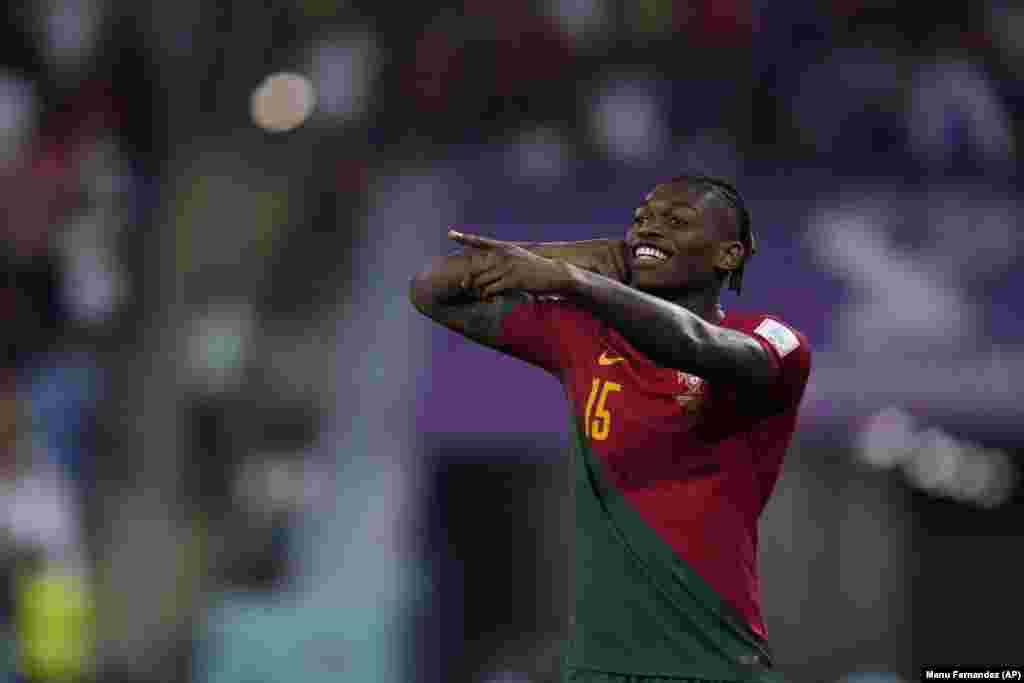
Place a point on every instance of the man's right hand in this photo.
(606, 257)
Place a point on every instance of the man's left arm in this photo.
(666, 333)
(672, 336)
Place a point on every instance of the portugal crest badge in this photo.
(692, 400)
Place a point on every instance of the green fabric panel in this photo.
(639, 609)
(586, 676)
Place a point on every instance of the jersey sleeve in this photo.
(789, 351)
(538, 331)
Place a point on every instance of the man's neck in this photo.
(704, 303)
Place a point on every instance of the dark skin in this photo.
(699, 234)
(667, 311)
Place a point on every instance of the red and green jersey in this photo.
(671, 474)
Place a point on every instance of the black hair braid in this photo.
(731, 196)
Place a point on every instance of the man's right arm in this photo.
(437, 293)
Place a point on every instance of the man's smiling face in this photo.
(681, 239)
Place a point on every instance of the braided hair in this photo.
(730, 196)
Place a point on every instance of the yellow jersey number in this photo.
(597, 422)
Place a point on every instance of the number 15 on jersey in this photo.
(597, 421)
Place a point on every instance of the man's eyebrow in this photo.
(678, 210)
(678, 204)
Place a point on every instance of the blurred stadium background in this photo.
(233, 453)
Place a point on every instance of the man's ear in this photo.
(730, 256)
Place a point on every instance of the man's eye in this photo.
(676, 220)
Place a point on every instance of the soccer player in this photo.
(682, 414)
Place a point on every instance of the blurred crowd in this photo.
(143, 215)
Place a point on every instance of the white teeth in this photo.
(651, 252)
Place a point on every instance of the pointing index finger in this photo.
(471, 240)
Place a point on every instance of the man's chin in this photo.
(646, 284)
(658, 287)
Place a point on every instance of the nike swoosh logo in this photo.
(603, 359)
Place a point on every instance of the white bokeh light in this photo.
(896, 297)
(888, 439)
(950, 95)
(70, 31)
(343, 68)
(582, 20)
(934, 460)
(18, 112)
(541, 154)
(628, 121)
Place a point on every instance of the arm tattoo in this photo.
(478, 320)
(671, 335)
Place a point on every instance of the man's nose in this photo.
(650, 229)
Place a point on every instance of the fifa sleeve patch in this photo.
(778, 335)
